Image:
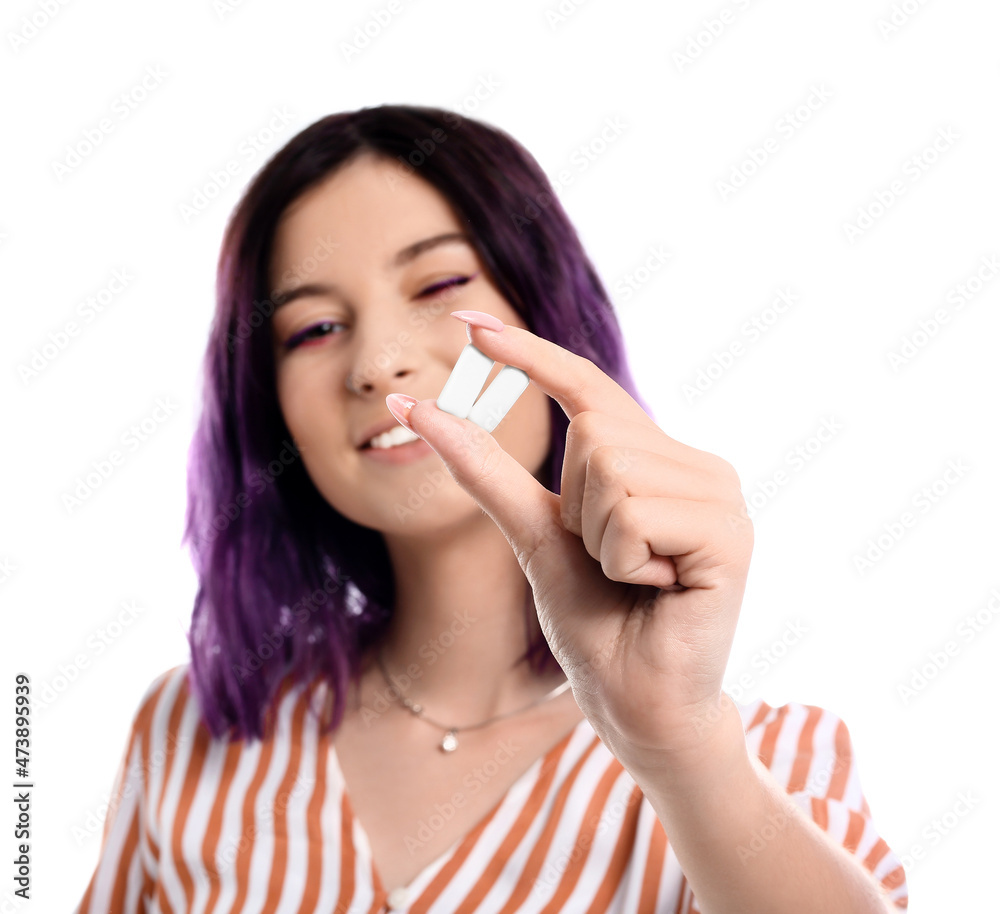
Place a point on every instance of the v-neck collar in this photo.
(426, 874)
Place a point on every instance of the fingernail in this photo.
(479, 319)
(400, 406)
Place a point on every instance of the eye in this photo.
(447, 284)
(313, 332)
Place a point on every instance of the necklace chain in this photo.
(449, 742)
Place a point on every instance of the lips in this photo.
(377, 429)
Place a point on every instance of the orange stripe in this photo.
(894, 879)
(214, 826)
(188, 788)
(347, 858)
(681, 895)
(819, 813)
(620, 857)
(759, 716)
(804, 751)
(842, 768)
(536, 858)
(649, 897)
(547, 773)
(247, 822)
(855, 829)
(770, 739)
(173, 723)
(118, 895)
(585, 837)
(279, 862)
(314, 828)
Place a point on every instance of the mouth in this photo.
(394, 437)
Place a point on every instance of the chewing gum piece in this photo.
(465, 381)
(498, 398)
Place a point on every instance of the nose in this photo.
(381, 370)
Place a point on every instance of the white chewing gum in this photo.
(499, 397)
(465, 381)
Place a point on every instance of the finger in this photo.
(519, 504)
(574, 382)
(662, 541)
(589, 431)
(614, 473)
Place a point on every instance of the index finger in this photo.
(576, 383)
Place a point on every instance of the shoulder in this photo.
(160, 701)
(805, 747)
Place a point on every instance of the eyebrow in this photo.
(403, 257)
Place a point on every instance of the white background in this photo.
(879, 98)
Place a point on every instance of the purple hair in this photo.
(290, 589)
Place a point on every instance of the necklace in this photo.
(449, 742)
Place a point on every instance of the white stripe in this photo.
(116, 831)
(199, 816)
(227, 849)
(330, 822)
(638, 859)
(159, 752)
(178, 774)
(261, 834)
(599, 854)
(296, 805)
(558, 857)
(454, 894)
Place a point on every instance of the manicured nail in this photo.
(479, 319)
(400, 406)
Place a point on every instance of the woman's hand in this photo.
(637, 568)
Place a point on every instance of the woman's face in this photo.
(374, 306)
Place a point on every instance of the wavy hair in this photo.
(290, 589)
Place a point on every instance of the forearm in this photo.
(742, 843)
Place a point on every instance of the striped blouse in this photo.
(207, 826)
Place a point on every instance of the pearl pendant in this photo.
(449, 742)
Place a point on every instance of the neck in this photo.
(459, 625)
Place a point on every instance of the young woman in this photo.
(452, 670)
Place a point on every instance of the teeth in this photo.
(393, 437)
